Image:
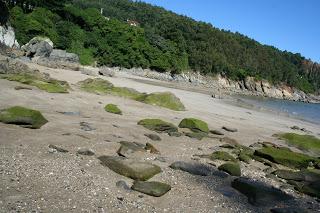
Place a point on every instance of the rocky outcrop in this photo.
(7, 37)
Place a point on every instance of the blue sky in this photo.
(292, 25)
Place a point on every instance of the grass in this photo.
(303, 142)
(112, 108)
(103, 87)
(22, 116)
(48, 85)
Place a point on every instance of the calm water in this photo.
(309, 112)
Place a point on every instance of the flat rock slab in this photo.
(216, 132)
(132, 169)
(156, 189)
(197, 169)
(153, 137)
(128, 148)
(229, 129)
(259, 193)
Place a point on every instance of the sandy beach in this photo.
(33, 179)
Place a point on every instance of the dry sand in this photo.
(32, 179)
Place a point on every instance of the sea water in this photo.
(306, 111)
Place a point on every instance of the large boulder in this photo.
(62, 55)
(258, 193)
(38, 47)
(250, 83)
(12, 66)
(22, 116)
(194, 124)
(153, 188)
(7, 37)
(135, 170)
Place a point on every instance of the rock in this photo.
(161, 159)
(221, 155)
(285, 157)
(112, 108)
(175, 134)
(194, 125)
(216, 132)
(153, 137)
(7, 37)
(128, 148)
(58, 149)
(295, 128)
(38, 47)
(305, 181)
(151, 148)
(85, 151)
(23, 117)
(196, 135)
(228, 146)
(244, 157)
(197, 169)
(123, 185)
(289, 210)
(229, 141)
(107, 71)
(258, 193)
(231, 168)
(229, 129)
(22, 87)
(163, 99)
(303, 142)
(132, 169)
(86, 126)
(250, 83)
(158, 125)
(13, 66)
(153, 188)
(63, 56)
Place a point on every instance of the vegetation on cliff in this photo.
(158, 39)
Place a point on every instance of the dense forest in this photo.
(136, 34)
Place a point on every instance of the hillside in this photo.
(162, 40)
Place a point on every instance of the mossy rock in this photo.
(285, 157)
(128, 148)
(135, 170)
(153, 188)
(196, 135)
(24, 117)
(244, 157)
(43, 83)
(303, 142)
(112, 108)
(158, 125)
(221, 155)
(194, 125)
(96, 85)
(309, 175)
(231, 168)
(163, 99)
(125, 92)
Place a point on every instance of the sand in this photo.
(32, 178)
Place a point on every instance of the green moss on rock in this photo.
(112, 108)
(47, 84)
(231, 168)
(163, 99)
(285, 157)
(24, 117)
(221, 155)
(102, 87)
(194, 124)
(158, 125)
(153, 188)
(303, 142)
